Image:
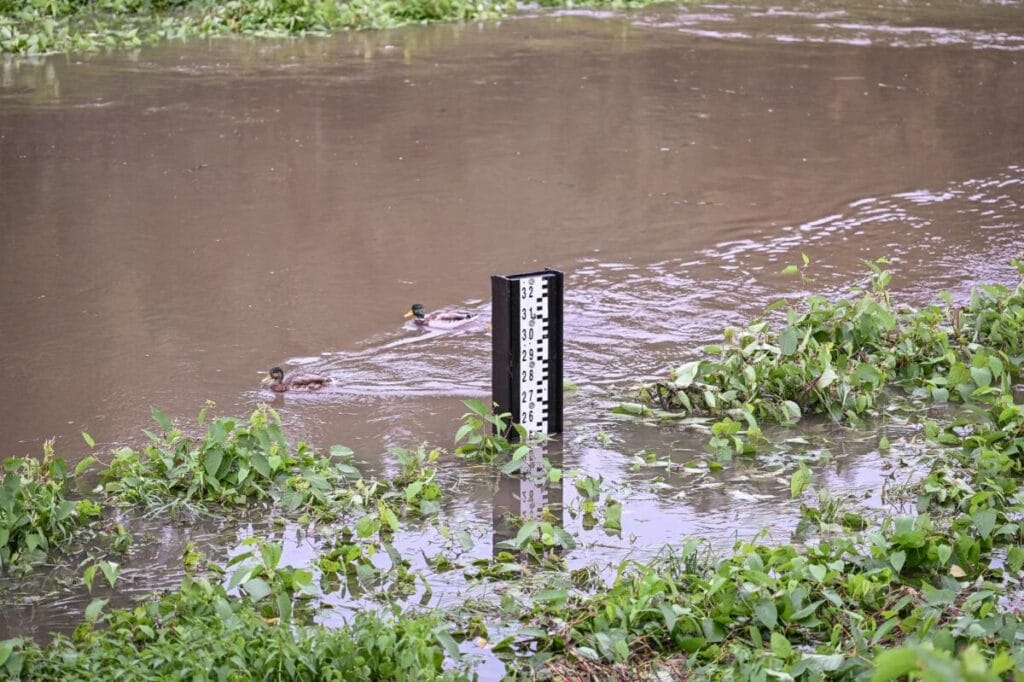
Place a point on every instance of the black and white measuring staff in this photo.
(526, 344)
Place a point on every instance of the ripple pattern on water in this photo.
(1000, 28)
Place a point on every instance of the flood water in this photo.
(176, 220)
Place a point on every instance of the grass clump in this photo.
(35, 512)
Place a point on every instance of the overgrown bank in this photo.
(44, 26)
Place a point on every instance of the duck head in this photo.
(274, 376)
(416, 311)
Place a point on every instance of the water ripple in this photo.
(850, 25)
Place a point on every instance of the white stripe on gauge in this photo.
(534, 354)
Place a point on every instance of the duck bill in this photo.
(266, 380)
(409, 314)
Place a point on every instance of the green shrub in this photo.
(235, 463)
(35, 513)
(200, 632)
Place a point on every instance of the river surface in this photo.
(176, 220)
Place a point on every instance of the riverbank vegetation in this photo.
(35, 512)
(203, 632)
(928, 586)
(45, 26)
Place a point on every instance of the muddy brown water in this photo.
(177, 219)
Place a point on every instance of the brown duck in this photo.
(439, 319)
(302, 381)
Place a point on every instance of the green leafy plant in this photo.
(485, 436)
(837, 357)
(271, 587)
(235, 463)
(202, 631)
(35, 512)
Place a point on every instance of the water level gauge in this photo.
(526, 378)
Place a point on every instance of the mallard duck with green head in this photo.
(439, 319)
(300, 381)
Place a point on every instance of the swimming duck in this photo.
(439, 319)
(295, 382)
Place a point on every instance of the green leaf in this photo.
(525, 533)
(64, 510)
(257, 589)
(982, 376)
(807, 610)
(240, 576)
(790, 270)
(449, 644)
(88, 440)
(799, 481)
(788, 341)
(563, 538)
(92, 611)
(827, 378)
(1015, 558)
(867, 373)
(669, 615)
(88, 575)
(260, 464)
(413, 490)
(389, 517)
(340, 451)
(465, 540)
(212, 459)
(685, 374)
(84, 465)
(271, 553)
(820, 663)
(937, 597)
(781, 646)
(477, 406)
(613, 517)
(894, 664)
(110, 571)
(897, 559)
(766, 612)
(634, 409)
(367, 526)
(984, 521)
(160, 418)
(463, 431)
(284, 606)
(553, 596)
